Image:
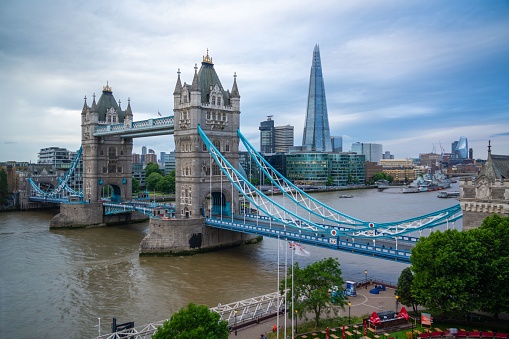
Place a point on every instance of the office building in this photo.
(267, 136)
(283, 138)
(316, 136)
(373, 152)
(337, 144)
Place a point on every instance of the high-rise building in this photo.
(373, 152)
(316, 129)
(337, 144)
(56, 156)
(283, 136)
(169, 162)
(267, 136)
(462, 148)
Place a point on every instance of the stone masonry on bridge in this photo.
(217, 111)
(107, 159)
(486, 194)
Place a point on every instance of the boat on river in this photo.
(450, 194)
(346, 196)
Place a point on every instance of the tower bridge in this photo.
(207, 213)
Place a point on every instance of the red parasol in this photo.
(375, 319)
(403, 313)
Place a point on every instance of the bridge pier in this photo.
(91, 214)
(189, 236)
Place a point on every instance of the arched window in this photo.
(213, 100)
(227, 148)
(217, 144)
(219, 101)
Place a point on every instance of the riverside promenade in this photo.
(362, 305)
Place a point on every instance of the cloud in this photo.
(394, 71)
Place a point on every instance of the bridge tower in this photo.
(205, 102)
(107, 160)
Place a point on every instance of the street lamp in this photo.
(349, 304)
(366, 277)
(397, 297)
(296, 317)
(235, 323)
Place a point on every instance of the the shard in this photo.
(316, 130)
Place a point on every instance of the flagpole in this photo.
(278, 305)
(293, 297)
(286, 282)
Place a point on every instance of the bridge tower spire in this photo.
(107, 161)
(201, 188)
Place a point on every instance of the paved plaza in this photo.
(363, 304)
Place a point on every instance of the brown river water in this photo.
(58, 283)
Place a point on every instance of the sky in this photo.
(413, 76)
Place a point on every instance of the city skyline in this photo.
(405, 75)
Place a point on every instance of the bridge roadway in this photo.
(264, 227)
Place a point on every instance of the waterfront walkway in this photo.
(362, 305)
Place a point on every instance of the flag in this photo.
(343, 335)
(375, 319)
(299, 250)
(327, 333)
(159, 113)
(403, 313)
(365, 332)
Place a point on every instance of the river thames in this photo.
(58, 283)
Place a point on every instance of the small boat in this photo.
(451, 194)
(346, 196)
(410, 189)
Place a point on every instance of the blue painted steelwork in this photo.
(145, 208)
(137, 129)
(62, 192)
(326, 241)
(365, 228)
(286, 215)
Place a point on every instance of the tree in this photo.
(446, 266)
(135, 185)
(167, 183)
(193, 322)
(152, 180)
(4, 192)
(330, 181)
(493, 290)
(312, 286)
(403, 291)
(152, 168)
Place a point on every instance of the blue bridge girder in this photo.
(145, 208)
(322, 240)
(138, 129)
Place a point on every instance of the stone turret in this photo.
(486, 194)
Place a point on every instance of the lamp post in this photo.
(397, 297)
(366, 277)
(235, 322)
(349, 304)
(296, 317)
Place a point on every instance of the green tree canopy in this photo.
(493, 289)
(167, 183)
(446, 266)
(193, 322)
(135, 185)
(152, 168)
(152, 180)
(312, 286)
(404, 289)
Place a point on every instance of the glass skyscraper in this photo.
(316, 130)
